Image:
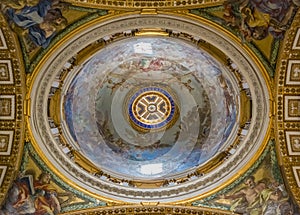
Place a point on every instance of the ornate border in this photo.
(146, 5)
(12, 91)
(152, 209)
(254, 141)
(287, 108)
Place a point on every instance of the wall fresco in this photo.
(37, 191)
(261, 25)
(256, 19)
(261, 191)
(37, 21)
(41, 23)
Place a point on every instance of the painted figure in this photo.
(46, 201)
(277, 10)
(256, 19)
(29, 15)
(264, 197)
(34, 197)
(43, 33)
(19, 4)
(41, 21)
(19, 199)
(247, 199)
(275, 203)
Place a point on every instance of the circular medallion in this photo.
(151, 108)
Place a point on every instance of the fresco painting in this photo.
(37, 191)
(36, 21)
(264, 196)
(256, 19)
(198, 87)
(261, 191)
(33, 196)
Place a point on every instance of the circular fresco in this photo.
(153, 112)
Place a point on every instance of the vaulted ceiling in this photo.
(149, 107)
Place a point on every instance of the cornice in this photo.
(144, 5)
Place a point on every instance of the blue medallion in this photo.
(151, 108)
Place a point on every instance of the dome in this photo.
(147, 107)
(152, 112)
(138, 116)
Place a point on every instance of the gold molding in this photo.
(286, 127)
(145, 208)
(193, 18)
(278, 123)
(145, 5)
(54, 107)
(12, 88)
(246, 107)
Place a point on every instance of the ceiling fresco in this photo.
(141, 107)
(131, 135)
(208, 168)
